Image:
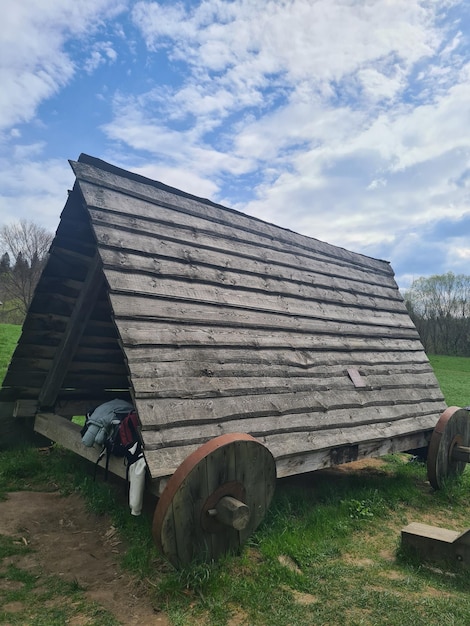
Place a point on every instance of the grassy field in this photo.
(328, 551)
(9, 335)
(453, 373)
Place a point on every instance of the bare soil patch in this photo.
(72, 543)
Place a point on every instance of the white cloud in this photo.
(348, 117)
(180, 178)
(344, 120)
(34, 187)
(179, 148)
(103, 52)
(34, 62)
(325, 41)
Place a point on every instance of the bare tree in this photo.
(25, 244)
(440, 308)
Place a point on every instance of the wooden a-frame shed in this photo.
(211, 322)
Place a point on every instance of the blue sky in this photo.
(343, 120)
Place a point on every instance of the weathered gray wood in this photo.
(306, 423)
(67, 434)
(16, 430)
(281, 365)
(200, 248)
(452, 429)
(223, 360)
(231, 308)
(157, 193)
(267, 295)
(159, 412)
(210, 320)
(25, 408)
(139, 215)
(232, 512)
(321, 459)
(212, 386)
(231, 269)
(163, 462)
(69, 342)
(156, 332)
(235, 466)
(461, 453)
(436, 544)
(242, 258)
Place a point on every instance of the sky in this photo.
(343, 120)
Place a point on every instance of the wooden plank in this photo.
(110, 207)
(71, 338)
(263, 383)
(315, 460)
(238, 256)
(85, 378)
(221, 467)
(215, 360)
(168, 299)
(67, 407)
(159, 333)
(307, 424)
(163, 463)
(191, 367)
(222, 267)
(31, 352)
(156, 413)
(254, 292)
(16, 431)
(298, 443)
(67, 434)
(432, 532)
(154, 192)
(435, 544)
(175, 234)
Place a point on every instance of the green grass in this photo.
(328, 551)
(453, 373)
(9, 335)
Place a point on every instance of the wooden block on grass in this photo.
(436, 544)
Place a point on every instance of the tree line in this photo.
(440, 308)
(23, 251)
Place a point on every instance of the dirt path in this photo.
(76, 545)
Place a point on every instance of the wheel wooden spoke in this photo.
(448, 449)
(215, 500)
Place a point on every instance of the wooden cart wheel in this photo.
(448, 448)
(215, 500)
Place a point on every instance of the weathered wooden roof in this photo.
(212, 321)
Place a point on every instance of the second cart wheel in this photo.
(452, 431)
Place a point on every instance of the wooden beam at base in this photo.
(67, 434)
(321, 459)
